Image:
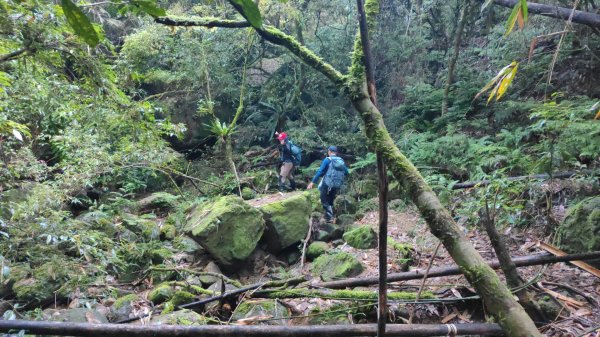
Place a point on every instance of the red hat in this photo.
(282, 136)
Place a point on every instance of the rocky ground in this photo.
(237, 243)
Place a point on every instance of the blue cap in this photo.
(333, 149)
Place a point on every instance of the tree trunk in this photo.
(509, 268)
(454, 57)
(496, 296)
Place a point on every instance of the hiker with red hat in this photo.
(290, 156)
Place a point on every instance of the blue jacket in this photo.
(323, 169)
(285, 153)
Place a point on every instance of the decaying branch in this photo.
(521, 261)
(581, 17)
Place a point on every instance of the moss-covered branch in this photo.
(208, 22)
(353, 295)
(269, 33)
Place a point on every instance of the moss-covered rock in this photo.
(336, 266)
(207, 280)
(345, 204)
(159, 201)
(248, 193)
(287, 220)
(363, 237)
(334, 231)
(580, 230)
(263, 308)
(123, 307)
(144, 226)
(47, 282)
(228, 229)
(168, 232)
(345, 221)
(76, 315)
(161, 293)
(179, 317)
(316, 249)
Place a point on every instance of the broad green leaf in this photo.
(524, 9)
(79, 22)
(512, 19)
(150, 7)
(249, 11)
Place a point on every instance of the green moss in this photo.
(363, 237)
(161, 293)
(248, 193)
(358, 295)
(182, 297)
(286, 221)
(316, 249)
(125, 300)
(168, 232)
(228, 229)
(55, 278)
(180, 317)
(579, 230)
(334, 266)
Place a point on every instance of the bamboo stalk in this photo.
(131, 330)
(521, 261)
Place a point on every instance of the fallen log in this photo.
(559, 175)
(521, 261)
(84, 329)
(355, 295)
(581, 17)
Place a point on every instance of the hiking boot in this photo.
(328, 214)
(292, 184)
(281, 185)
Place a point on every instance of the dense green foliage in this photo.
(92, 120)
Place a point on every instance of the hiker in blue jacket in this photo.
(334, 171)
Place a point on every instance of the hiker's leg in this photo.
(285, 171)
(327, 203)
(291, 178)
(330, 199)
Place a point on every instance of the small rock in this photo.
(248, 193)
(250, 311)
(179, 317)
(77, 315)
(207, 280)
(159, 201)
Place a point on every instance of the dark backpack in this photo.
(336, 173)
(296, 153)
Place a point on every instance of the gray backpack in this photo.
(336, 173)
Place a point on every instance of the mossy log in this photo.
(351, 295)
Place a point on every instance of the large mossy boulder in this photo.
(580, 230)
(336, 266)
(363, 237)
(286, 218)
(251, 310)
(228, 229)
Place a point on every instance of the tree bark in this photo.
(581, 17)
(106, 329)
(454, 57)
(508, 266)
